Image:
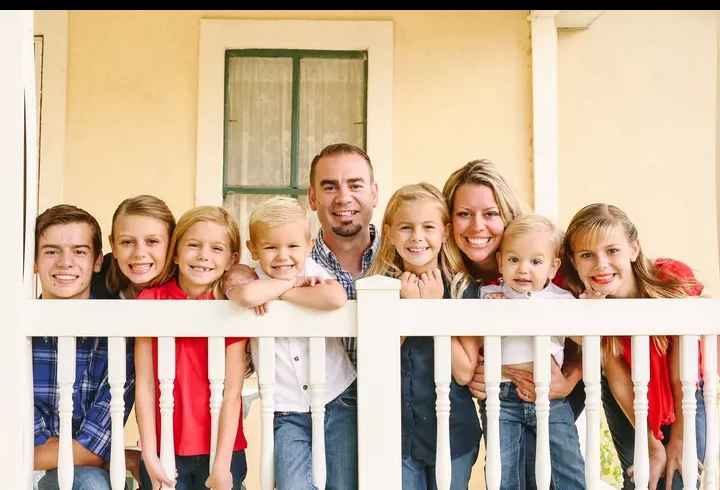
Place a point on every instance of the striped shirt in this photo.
(91, 392)
(322, 254)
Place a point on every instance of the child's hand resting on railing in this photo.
(158, 477)
(219, 480)
(428, 285)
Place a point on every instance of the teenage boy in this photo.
(68, 249)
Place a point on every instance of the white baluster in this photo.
(65, 380)
(710, 378)
(541, 376)
(266, 373)
(591, 377)
(640, 378)
(317, 397)
(689, 377)
(166, 378)
(116, 378)
(216, 378)
(442, 409)
(493, 363)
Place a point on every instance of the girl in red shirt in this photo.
(205, 243)
(603, 259)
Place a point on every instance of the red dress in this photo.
(191, 392)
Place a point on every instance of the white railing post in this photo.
(688, 377)
(640, 378)
(442, 355)
(379, 417)
(65, 381)
(216, 378)
(591, 377)
(317, 407)
(710, 378)
(493, 369)
(116, 378)
(166, 379)
(266, 375)
(541, 375)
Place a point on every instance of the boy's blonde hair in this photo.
(276, 211)
(142, 205)
(388, 262)
(530, 223)
(211, 214)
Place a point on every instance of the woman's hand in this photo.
(477, 384)
(431, 285)
(158, 477)
(219, 480)
(409, 287)
(673, 450)
(560, 385)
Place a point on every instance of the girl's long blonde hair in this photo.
(389, 263)
(598, 220)
(212, 214)
(142, 205)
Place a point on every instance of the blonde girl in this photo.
(603, 259)
(414, 247)
(205, 243)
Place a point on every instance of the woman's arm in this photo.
(255, 293)
(325, 295)
(230, 413)
(465, 352)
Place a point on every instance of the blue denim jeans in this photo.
(417, 475)
(293, 446)
(192, 471)
(518, 430)
(623, 435)
(85, 478)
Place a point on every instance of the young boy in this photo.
(528, 260)
(68, 249)
(280, 243)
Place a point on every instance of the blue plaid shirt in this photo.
(91, 392)
(322, 254)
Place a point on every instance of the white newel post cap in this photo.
(377, 283)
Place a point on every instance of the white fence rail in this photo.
(378, 318)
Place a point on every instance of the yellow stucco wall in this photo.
(638, 128)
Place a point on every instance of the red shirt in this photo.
(191, 392)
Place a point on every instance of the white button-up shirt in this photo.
(292, 362)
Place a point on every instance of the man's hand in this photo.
(132, 463)
(430, 284)
(238, 274)
(409, 287)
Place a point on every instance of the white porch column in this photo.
(16, 48)
(545, 112)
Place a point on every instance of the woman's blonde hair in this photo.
(199, 214)
(142, 205)
(483, 172)
(389, 263)
(597, 220)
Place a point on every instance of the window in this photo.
(281, 108)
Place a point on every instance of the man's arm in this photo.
(46, 455)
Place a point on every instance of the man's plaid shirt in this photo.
(327, 259)
(91, 392)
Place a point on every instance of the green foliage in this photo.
(610, 469)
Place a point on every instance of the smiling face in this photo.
(528, 261)
(605, 263)
(417, 232)
(140, 246)
(203, 255)
(477, 224)
(66, 261)
(343, 194)
(281, 250)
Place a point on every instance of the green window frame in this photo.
(294, 189)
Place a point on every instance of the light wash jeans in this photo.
(417, 475)
(518, 431)
(85, 478)
(293, 446)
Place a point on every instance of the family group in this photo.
(474, 240)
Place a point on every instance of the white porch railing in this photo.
(379, 318)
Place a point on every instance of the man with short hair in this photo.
(68, 249)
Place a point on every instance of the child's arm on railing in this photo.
(256, 293)
(464, 358)
(230, 412)
(145, 410)
(319, 294)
